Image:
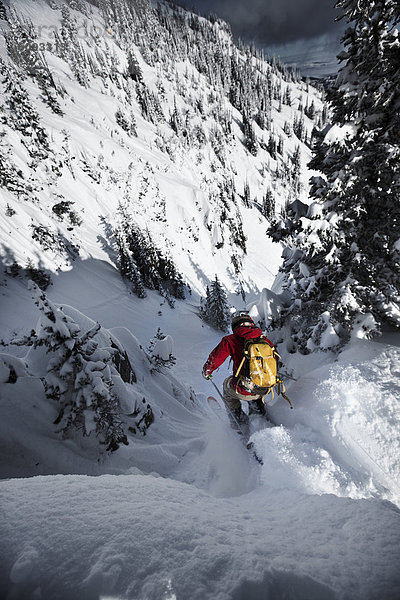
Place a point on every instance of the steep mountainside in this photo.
(125, 124)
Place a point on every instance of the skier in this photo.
(234, 391)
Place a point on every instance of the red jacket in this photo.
(232, 345)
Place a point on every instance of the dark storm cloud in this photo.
(270, 22)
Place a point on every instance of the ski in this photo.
(213, 402)
(242, 429)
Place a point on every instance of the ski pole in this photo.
(288, 376)
(219, 393)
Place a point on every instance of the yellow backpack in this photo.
(258, 369)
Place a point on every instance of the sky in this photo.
(302, 32)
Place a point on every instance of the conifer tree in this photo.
(280, 145)
(250, 138)
(3, 14)
(69, 47)
(246, 195)
(271, 147)
(128, 267)
(11, 178)
(80, 375)
(134, 70)
(295, 171)
(142, 263)
(23, 48)
(19, 113)
(127, 122)
(268, 206)
(176, 120)
(299, 127)
(215, 310)
(287, 97)
(344, 266)
(149, 104)
(310, 110)
(160, 350)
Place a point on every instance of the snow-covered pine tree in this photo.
(309, 110)
(295, 171)
(149, 104)
(215, 308)
(23, 49)
(19, 113)
(11, 178)
(79, 375)
(246, 194)
(287, 98)
(140, 261)
(127, 265)
(175, 120)
(299, 127)
(10, 212)
(69, 48)
(64, 209)
(37, 275)
(268, 205)
(127, 122)
(133, 70)
(250, 138)
(161, 352)
(343, 268)
(172, 281)
(3, 13)
(271, 146)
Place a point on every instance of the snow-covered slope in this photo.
(145, 537)
(168, 147)
(185, 511)
(181, 511)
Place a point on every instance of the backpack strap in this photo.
(245, 355)
(282, 390)
(240, 366)
(270, 391)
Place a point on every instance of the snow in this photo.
(267, 308)
(164, 348)
(340, 134)
(349, 409)
(329, 337)
(183, 511)
(137, 536)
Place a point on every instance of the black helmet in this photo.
(241, 318)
